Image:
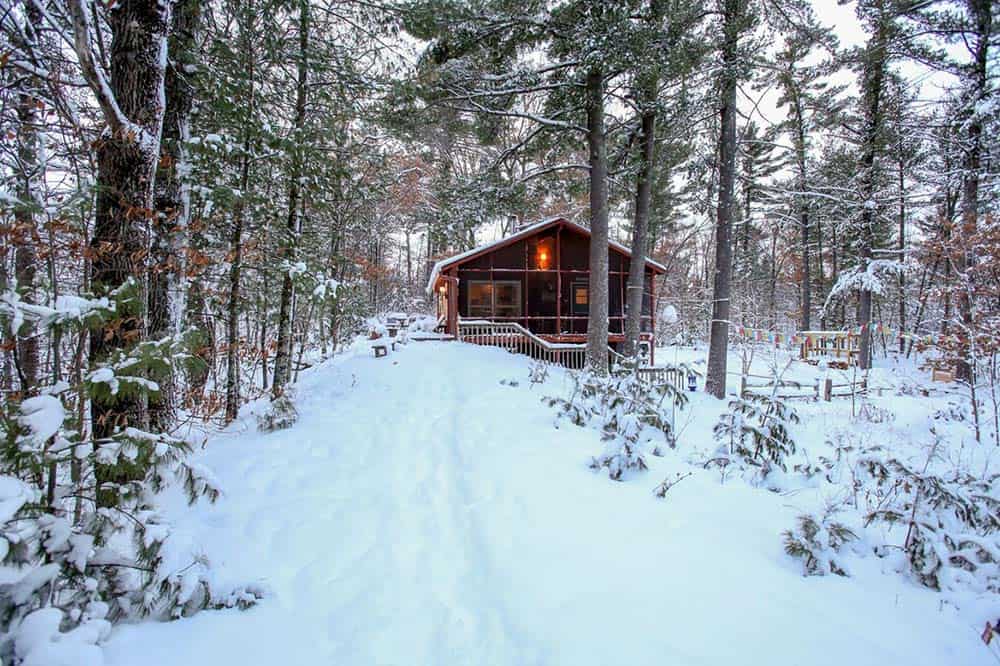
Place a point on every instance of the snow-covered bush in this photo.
(874, 414)
(279, 414)
(633, 415)
(754, 433)
(936, 523)
(538, 372)
(81, 535)
(817, 542)
(948, 525)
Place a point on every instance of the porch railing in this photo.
(518, 340)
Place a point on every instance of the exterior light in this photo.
(441, 289)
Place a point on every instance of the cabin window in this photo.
(494, 299)
(480, 299)
(581, 297)
(507, 299)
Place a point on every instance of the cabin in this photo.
(538, 278)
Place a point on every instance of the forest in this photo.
(200, 200)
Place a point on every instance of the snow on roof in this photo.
(529, 230)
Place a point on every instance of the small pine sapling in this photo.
(755, 431)
(280, 413)
(627, 410)
(817, 542)
(538, 372)
(664, 487)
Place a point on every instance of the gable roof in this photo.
(526, 232)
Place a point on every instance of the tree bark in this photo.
(901, 247)
(640, 234)
(30, 177)
(643, 198)
(874, 76)
(235, 268)
(715, 380)
(597, 320)
(803, 184)
(981, 13)
(171, 200)
(282, 359)
(132, 106)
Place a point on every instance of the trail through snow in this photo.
(421, 512)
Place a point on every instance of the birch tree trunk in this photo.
(171, 200)
(715, 380)
(597, 320)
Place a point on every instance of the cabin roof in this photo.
(526, 232)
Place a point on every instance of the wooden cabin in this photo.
(539, 278)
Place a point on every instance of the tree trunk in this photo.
(901, 246)
(282, 359)
(597, 320)
(643, 199)
(171, 201)
(800, 155)
(982, 14)
(715, 381)
(30, 176)
(132, 105)
(640, 235)
(235, 267)
(874, 75)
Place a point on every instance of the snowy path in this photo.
(422, 513)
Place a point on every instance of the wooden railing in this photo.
(668, 375)
(518, 340)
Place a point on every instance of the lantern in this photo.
(692, 382)
(441, 289)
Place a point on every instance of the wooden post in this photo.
(559, 280)
(452, 324)
(827, 389)
(652, 316)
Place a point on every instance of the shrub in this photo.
(817, 542)
(755, 432)
(627, 410)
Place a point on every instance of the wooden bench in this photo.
(382, 348)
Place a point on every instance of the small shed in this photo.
(539, 277)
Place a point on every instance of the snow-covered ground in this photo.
(423, 512)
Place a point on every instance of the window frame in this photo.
(578, 309)
(517, 307)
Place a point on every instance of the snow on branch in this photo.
(870, 278)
